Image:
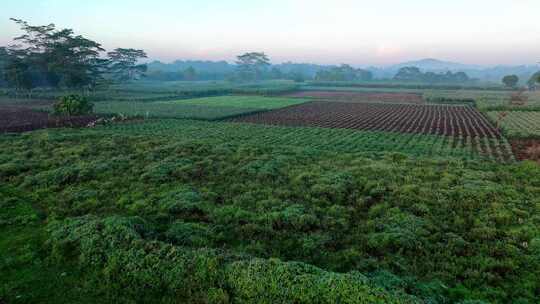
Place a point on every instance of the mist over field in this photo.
(270, 151)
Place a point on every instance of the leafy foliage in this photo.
(444, 231)
(414, 74)
(343, 73)
(72, 105)
(123, 64)
(510, 80)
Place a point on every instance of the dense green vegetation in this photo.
(200, 108)
(160, 91)
(336, 140)
(204, 218)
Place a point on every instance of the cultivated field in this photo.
(430, 119)
(210, 108)
(23, 119)
(307, 196)
(520, 124)
(360, 96)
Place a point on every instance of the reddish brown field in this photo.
(22, 119)
(526, 149)
(361, 96)
(424, 119)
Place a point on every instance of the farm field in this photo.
(324, 191)
(250, 102)
(254, 204)
(23, 119)
(200, 108)
(518, 124)
(360, 96)
(324, 139)
(160, 91)
(269, 152)
(426, 119)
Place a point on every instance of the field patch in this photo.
(526, 149)
(361, 96)
(518, 124)
(325, 139)
(428, 119)
(22, 119)
(463, 123)
(211, 108)
(246, 102)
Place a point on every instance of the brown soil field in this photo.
(405, 118)
(14, 119)
(361, 96)
(526, 149)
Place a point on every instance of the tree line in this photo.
(59, 58)
(415, 74)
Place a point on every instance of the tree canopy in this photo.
(343, 73)
(415, 74)
(251, 66)
(510, 81)
(123, 64)
(50, 57)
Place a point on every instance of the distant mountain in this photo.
(483, 73)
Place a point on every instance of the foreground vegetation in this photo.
(125, 215)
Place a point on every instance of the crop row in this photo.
(424, 119)
(209, 108)
(520, 124)
(336, 140)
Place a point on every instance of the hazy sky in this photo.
(360, 32)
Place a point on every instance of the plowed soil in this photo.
(526, 149)
(14, 119)
(424, 119)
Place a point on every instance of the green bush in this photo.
(72, 105)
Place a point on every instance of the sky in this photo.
(360, 32)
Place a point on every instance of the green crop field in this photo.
(237, 213)
(518, 124)
(201, 108)
(337, 140)
(250, 102)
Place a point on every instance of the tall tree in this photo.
(510, 81)
(123, 64)
(189, 74)
(408, 74)
(59, 57)
(251, 66)
(3, 63)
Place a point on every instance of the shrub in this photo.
(71, 105)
